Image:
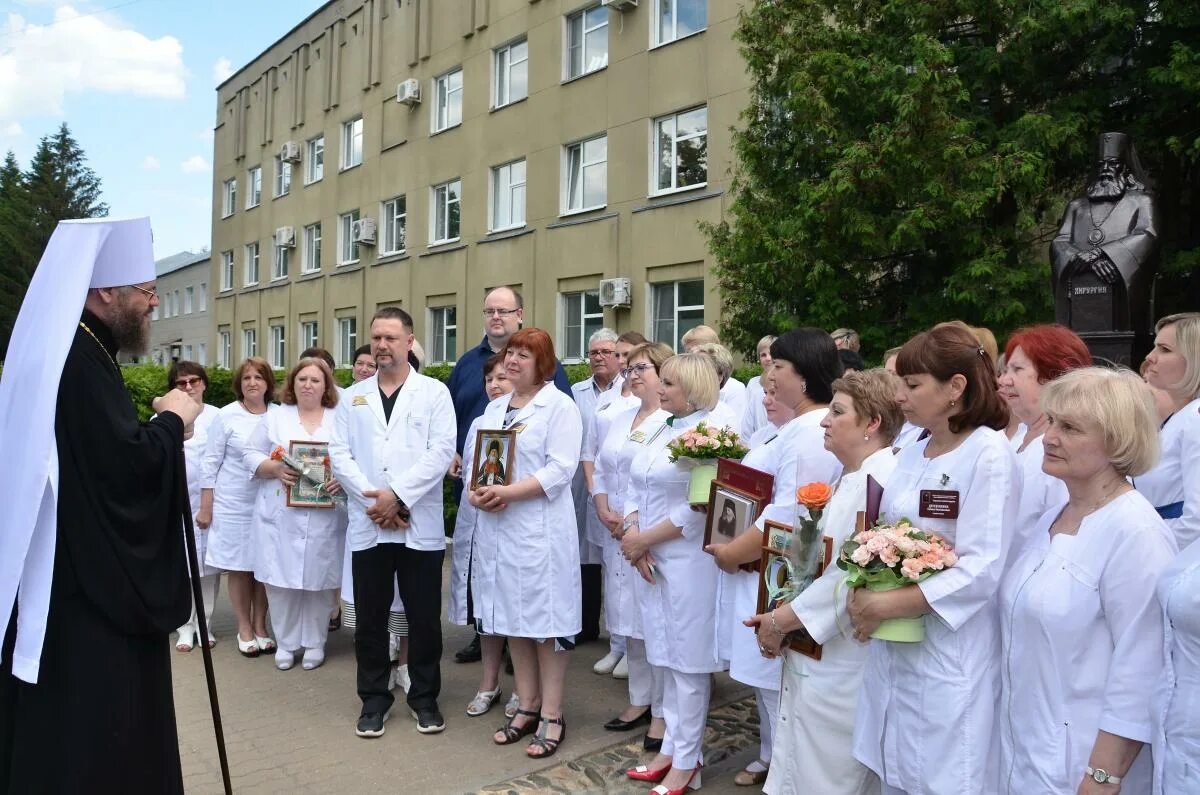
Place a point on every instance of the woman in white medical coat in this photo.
(1082, 630)
(1177, 700)
(525, 581)
(664, 539)
(297, 551)
(926, 713)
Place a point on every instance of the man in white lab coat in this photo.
(393, 443)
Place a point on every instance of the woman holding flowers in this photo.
(819, 698)
(663, 538)
(297, 551)
(804, 365)
(1082, 631)
(927, 709)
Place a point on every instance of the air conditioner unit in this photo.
(364, 231)
(290, 152)
(285, 237)
(619, 5)
(409, 92)
(615, 292)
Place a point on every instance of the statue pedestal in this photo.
(1115, 346)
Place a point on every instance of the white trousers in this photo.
(768, 717)
(300, 618)
(645, 680)
(685, 710)
(208, 591)
(618, 644)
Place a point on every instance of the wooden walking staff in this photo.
(198, 599)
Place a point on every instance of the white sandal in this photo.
(483, 702)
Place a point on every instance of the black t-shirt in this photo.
(389, 402)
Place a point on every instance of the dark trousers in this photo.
(592, 577)
(419, 577)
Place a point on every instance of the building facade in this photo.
(180, 326)
(421, 152)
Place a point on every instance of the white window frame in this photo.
(504, 65)
(314, 159)
(442, 204)
(507, 196)
(352, 143)
(657, 40)
(189, 299)
(226, 270)
(308, 334)
(348, 250)
(228, 197)
(393, 225)
(280, 262)
(187, 352)
(283, 177)
(444, 93)
(253, 187)
(655, 126)
(203, 297)
(570, 180)
(580, 18)
(347, 340)
(154, 312)
(253, 258)
(442, 321)
(202, 353)
(312, 248)
(224, 349)
(652, 295)
(249, 342)
(565, 300)
(278, 347)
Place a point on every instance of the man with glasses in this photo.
(503, 313)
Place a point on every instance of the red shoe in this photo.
(643, 773)
(693, 783)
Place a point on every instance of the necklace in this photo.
(1096, 236)
(248, 411)
(1087, 510)
(92, 334)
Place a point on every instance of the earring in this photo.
(952, 402)
(866, 437)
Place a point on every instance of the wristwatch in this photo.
(1101, 776)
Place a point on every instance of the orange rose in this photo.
(277, 454)
(814, 496)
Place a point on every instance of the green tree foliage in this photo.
(907, 162)
(58, 185)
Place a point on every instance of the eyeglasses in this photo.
(602, 352)
(500, 312)
(637, 368)
(152, 292)
(187, 383)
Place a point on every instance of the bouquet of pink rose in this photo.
(701, 447)
(890, 556)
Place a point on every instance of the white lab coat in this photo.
(297, 548)
(1177, 699)
(1038, 493)
(622, 615)
(464, 537)
(908, 434)
(525, 579)
(1176, 476)
(755, 415)
(1083, 645)
(679, 608)
(409, 454)
(230, 543)
(193, 451)
(595, 433)
(733, 395)
(926, 711)
(587, 400)
(819, 698)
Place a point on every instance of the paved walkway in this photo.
(293, 731)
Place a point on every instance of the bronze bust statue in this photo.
(1105, 254)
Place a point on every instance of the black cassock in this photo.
(101, 717)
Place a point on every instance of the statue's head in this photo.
(1117, 168)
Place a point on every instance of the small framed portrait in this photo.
(307, 491)
(493, 463)
(730, 511)
(777, 537)
(774, 575)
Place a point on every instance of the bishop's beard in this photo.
(129, 328)
(1106, 188)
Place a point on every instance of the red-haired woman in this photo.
(525, 581)
(926, 711)
(1033, 357)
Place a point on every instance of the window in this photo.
(308, 334)
(279, 262)
(176, 303)
(447, 97)
(187, 353)
(228, 197)
(587, 41)
(203, 297)
(512, 73)
(278, 347)
(314, 163)
(681, 150)
(674, 19)
(253, 187)
(508, 196)
(312, 248)
(581, 316)
(189, 297)
(446, 212)
(677, 308)
(347, 248)
(352, 143)
(154, 313)
(249, 343)
(251, 264)
(223, 349)
(283, 177)
(226, 270)
(393, 223)
(443, 335)
(202, 353)
(585, 175)
(347, 340)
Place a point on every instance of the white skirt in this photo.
(230, 544)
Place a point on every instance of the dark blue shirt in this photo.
(468, 394)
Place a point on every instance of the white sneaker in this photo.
(313, 658)
(284, 659)
(607, 663)
(621, 671)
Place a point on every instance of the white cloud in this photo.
(11, 130)
(151, 163)
(206, 135)
(222, 70)
(194, 165)
(41, 64)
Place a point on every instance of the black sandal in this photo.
(513, 733)
(544, 743)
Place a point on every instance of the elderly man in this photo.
(91, 541)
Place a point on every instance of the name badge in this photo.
(520, 426)
(359, 400)
(939, 504)
(637, 437)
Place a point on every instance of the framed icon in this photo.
(494, 454)
(306, 492)
(774, 572)
(730, 511)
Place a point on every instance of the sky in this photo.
(135, 82)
